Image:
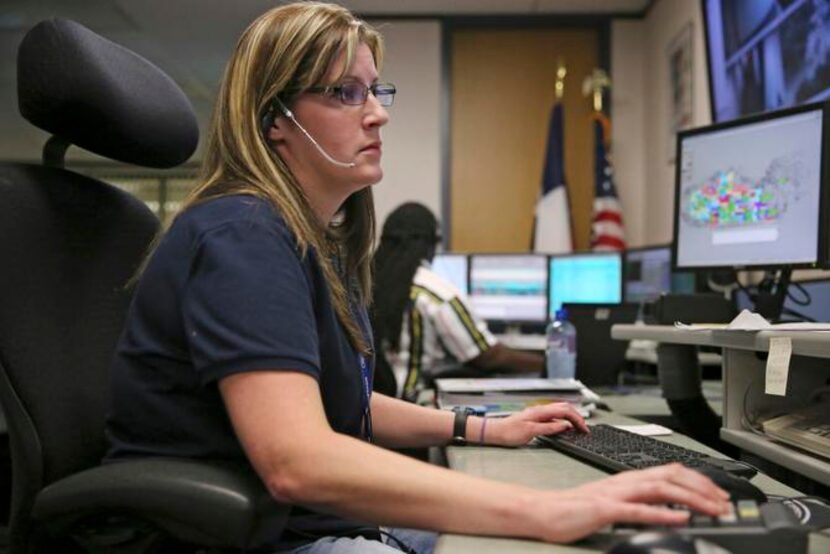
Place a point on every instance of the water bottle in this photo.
(561, 348)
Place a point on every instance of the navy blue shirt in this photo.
(227, 291)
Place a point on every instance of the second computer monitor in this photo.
(453, 268)
(509, 288)
(647, 273)
(585, 278)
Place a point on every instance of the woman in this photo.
(423, 324)
(247, 338)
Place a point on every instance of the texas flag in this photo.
(552, 229)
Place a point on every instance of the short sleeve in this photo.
(248, 303)
(463, 334)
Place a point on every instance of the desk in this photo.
(649, 401)
(743, 377)
(542, 468)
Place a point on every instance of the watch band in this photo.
(459, 426)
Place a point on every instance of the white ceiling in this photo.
(191, 39)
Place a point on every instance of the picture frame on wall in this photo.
(680, 63)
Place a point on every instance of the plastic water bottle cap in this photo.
(562, 314)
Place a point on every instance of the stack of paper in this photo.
(747, 321)
(503, 396)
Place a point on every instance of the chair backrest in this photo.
(599, 358)
(69, 244)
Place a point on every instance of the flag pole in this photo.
(595, 85)
(561, 73)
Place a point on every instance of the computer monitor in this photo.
(585, 279)
(510, 288)
(453, 268)
(750, 193)
(648, 274)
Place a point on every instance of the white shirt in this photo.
(439, 331)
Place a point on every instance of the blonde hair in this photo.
(281, 53)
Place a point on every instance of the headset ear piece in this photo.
(266, 123)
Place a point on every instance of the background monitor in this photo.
(648, 274)
(749, 192)
(766, 54)
(585, 279)
(453, 268)
(509, 288)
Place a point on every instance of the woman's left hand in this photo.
(518, 429)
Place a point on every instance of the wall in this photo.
(412, 140)
(641, 109)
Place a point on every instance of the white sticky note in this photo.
(648, 430)
(778, 365)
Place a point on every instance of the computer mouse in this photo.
(665, 542)
(737, 487)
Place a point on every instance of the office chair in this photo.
(69, 245)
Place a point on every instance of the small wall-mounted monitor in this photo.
(750, 193)
(593, 278)
(453, 268)
(509, 288)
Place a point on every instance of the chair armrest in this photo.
(209, 504)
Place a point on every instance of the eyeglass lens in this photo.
(356, 93)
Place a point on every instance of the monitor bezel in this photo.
(707, 46)
(619, 253)
(821, 254)
(506, 321)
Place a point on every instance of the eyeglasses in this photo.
(355, 93)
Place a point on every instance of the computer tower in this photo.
(599, 358)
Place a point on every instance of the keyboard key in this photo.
(748, 511)
(729, 518)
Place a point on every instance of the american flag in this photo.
(607, 230)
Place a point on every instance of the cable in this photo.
(357, 531)
(805, 301)
(797, 314)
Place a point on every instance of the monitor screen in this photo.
(748, 192)
(510, 288)
(585, 279)
(647, 273)
(766, 54)
(453, 268)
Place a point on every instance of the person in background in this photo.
(423, 323)
(248, 339)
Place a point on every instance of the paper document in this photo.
(647, 430)
(481, 385)
(747, 321)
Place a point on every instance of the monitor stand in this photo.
(772, 291)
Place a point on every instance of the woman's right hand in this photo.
(630, 497)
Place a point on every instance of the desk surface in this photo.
(649, 401)
(542, 468)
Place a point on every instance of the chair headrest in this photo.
(102, 97)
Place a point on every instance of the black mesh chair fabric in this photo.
(69, 245)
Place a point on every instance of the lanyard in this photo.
(366, 397)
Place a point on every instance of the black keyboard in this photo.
(616, 450)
